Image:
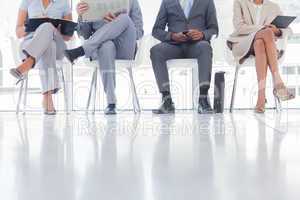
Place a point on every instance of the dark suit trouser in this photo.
(161, 53)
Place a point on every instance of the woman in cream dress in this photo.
(254, 35)
(44, 46)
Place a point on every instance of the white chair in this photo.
(250, 62)
(23, 92)
(176, 63)
(121, 65)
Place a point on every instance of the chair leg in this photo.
(194, 84)
(25, 95)
(20, 97)
(91, 91)
(95, 90)
(135, 100)
(234, 88)
(65, 90)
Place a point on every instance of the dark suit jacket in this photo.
(202, 17)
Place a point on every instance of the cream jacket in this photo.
(244, 25)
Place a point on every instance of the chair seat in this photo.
(250, 62)
(120, 64)
(182, 63)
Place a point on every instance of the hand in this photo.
(179, 37)
(275, 30)
(20, 31)
(109, 17)
(81, 8)
(195, 34)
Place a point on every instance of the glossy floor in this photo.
(182, 157)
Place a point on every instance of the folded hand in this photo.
(195, 34)
(109, 17)
(179, 37)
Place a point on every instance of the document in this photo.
(99, 8)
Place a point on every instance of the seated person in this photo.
(44, 46)
(255, 36)
(114, 37)
(191, 25)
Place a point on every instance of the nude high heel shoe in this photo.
(283, 94)
(261, 109)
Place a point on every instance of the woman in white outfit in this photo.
(255, 36)
(44, 46)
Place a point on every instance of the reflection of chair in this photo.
(15, 46)
(250, 62)
(121, 65)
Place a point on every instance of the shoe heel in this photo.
(278, 106)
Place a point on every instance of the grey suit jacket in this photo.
(202, 17)
(87, 29)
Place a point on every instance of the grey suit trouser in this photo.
(161, 53)
(46, 45)
(114, 40)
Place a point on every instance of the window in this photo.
(288, 70)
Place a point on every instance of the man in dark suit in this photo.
(191, 25)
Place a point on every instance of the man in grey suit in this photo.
(191, 25)
(114, 37)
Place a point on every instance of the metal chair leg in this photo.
(65, 90)
(20, 97)
(95, 90)
(25, 95)
(135, 100)
(234, 87)
(91, 91)
(194, 86)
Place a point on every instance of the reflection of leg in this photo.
(261, 70)
(109, 31)
(107, 56)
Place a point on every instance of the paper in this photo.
(99, 8)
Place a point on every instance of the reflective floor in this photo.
(183, 157)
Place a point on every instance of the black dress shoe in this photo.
(204, 106)
(167, 107)
(110, 110)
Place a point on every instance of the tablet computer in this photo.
(283, 21)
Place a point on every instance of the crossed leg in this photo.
(269, 39)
